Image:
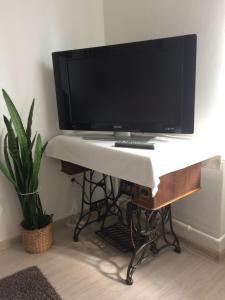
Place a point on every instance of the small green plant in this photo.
(23, 155)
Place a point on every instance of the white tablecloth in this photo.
(140, 166)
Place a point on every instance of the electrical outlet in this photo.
(73, 181)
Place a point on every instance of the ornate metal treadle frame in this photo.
(147, 231)
(98, 210)
(148, 228)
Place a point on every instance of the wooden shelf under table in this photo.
(173, 186)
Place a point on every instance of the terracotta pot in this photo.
(37, 240)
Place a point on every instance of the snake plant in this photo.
(23, 155)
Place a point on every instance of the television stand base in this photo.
(116, 136)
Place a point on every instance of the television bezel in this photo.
(188, 88)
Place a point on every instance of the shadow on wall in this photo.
(55, 187)
(49, 106)
(56, 191)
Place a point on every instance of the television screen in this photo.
(146, 86)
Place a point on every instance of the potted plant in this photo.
(23, 155)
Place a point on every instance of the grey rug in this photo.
(28, 284)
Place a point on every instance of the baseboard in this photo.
(192, 237)
(9, 243)
(17, 239)
(62, 221)
(214, 247)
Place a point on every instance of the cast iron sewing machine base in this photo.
(144, 232)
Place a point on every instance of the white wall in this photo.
(131, 20)
(30, 30)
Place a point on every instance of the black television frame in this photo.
(188, 89)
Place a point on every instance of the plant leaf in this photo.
(29, 122)
(17, 123)
(7, 159)
(7, 174)
(37, 162)
(33, 141)
(15, 152)
(44, 147)
(29, 160)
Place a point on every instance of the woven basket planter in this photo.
(38, 240)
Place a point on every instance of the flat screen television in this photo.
(146, 86)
